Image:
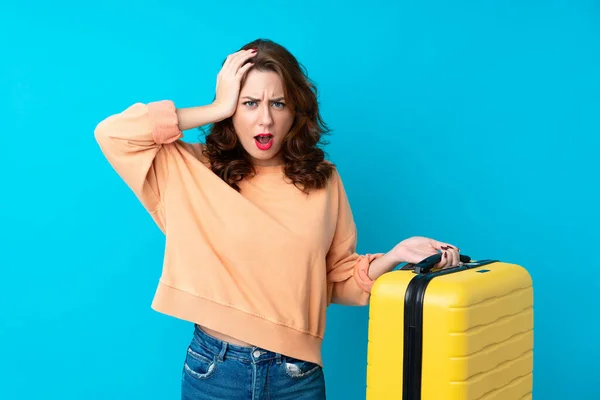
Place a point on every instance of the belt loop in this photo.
(223, 350)
(278, 358)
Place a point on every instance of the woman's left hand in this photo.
(417, 248)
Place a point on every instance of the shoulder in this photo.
(335, 173)
(335, 180)
(332, 168)
(195, 149)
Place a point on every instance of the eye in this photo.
(278, 104)
(250, 103)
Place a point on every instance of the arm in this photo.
(193, 117)
(134, 140)
(350, 276)
(133, 143)
(382, 265)
(348, 279)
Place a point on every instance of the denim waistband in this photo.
(223, 349)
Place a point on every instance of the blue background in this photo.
(473, 122)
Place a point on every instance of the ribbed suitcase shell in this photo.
(477, 335)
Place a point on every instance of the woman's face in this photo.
(262, 118)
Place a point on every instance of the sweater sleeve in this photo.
(347, 271)
(133, 143)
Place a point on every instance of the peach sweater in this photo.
(262, 264)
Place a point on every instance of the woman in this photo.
(260, 237)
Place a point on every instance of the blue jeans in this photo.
(215, 370)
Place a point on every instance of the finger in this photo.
(227, 62)
(243, 70)
(245, 57)
(440, 245)
(238, 59)
(446, 246)
(444, 262)
(226, 67)
(453, 256)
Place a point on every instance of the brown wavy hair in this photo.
(304, 160)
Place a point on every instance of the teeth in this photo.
(263, 138)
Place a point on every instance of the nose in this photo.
(266, 119)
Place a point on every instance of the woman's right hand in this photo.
(229, 81)
(228, 92)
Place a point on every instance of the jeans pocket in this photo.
(298, 369)
(198, 363)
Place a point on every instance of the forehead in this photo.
(258, 83)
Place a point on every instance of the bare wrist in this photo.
(194, 117)
(386, 263)
(220, 112)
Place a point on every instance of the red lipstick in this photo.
(264, 141)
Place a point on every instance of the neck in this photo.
(272, 165)
(271, 162)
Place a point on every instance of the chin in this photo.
(262, 155)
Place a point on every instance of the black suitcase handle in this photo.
(427, 264)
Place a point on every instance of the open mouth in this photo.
(264, 141)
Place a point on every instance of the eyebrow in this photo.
(255, 99)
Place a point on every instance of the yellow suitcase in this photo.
(462, 333)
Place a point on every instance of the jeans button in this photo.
(256, 354)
